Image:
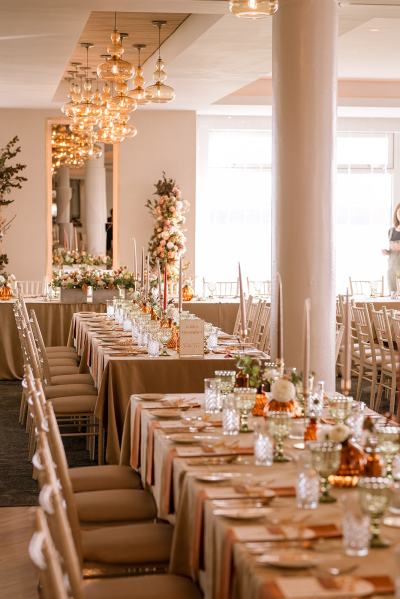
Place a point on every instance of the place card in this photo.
(191, 338)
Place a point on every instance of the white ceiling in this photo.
(210, 56)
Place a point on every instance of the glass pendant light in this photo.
(138, 92)
(253, 9)
(85, 111)
(115, 68)
(159, 92)
(121, 101)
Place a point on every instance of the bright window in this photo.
(233, 218)
(233, 212)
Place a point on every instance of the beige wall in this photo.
(25, 242)
(166, 140)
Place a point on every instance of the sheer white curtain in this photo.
(233, 215)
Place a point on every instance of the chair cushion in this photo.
(162, 586)
(52, 391)
(74, 404)
(115, 505)
(67, 379)
(62, 362)
(57, 370)
(53, 349)
(146, 543)
(97, 478)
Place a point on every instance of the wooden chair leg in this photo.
(359, 381)
(379, 394)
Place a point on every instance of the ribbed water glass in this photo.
(263, 446)
(212, 402)
(230, 416)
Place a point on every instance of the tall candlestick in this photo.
(159, 281)
(346, 379)
(180, 286)
(134, 267)
(243, 318)
(66, 241)
(165, 286)
(142, 270)
(147, 274)
(76, 239)
(306, 354)
(279, 319)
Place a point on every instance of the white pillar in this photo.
(304, 128)
(63, 200)
(96, 206)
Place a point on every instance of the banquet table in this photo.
(118, 374)
(379, 302)
(222, 313)
(54, 320)
(212, 548)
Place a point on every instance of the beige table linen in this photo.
(221, 313)
(210, 548)
(54, 320)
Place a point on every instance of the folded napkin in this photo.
(287, 532)
(257, 490)
(308, 587)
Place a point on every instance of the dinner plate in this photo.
(167, 414)
(288, 560)
(243, 513)
(182, 438)
(150, 396)
(216, 477)
(392, 521)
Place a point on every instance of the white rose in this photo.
(323, 432)
(2, 280)
(170, 245)
(339, 433)
(283, 390)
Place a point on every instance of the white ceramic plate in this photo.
(167, 414)
(182, 438)
(242, 514)
(215, 477)
(290, 560)
(150, 396)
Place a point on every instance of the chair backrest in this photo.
(238, 321)
(46, 560)
(52, 501)
(32, 288)
(339, 339)
(220, 288)
(264, 343)
(254, 336)
(372, 288)
(37, 334)
(383, 332)
(394, 322)
(257, 288)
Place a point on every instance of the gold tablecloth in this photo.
(222, 314)
(54, 320)
(211, 548)
(119, 377)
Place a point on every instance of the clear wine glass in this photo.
(325, 458)
(374, 498)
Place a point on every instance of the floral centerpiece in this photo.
(7, 283)
(168, 242)
(352, 457)
(63, 257)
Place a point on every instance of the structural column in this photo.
(63, 200)
(304, 128)
(96, 206)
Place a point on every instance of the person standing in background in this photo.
(394, 251)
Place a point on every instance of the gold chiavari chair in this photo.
(238, 321)
(367, 288)
(128, 549)
(222, 288)
(55, 352)
(367, 352)
(388, 357)
(259, 287)
(54, 584)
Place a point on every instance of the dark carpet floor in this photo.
(16, 484)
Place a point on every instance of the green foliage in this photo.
(9, 177)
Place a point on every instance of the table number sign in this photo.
(191, 338)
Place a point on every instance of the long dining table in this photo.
(225, 523)
(120, 370)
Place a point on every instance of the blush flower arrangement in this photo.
(98, 279)
(63, 257)
(168, 241)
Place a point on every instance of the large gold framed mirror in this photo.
(82, 201)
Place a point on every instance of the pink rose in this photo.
(162, 254)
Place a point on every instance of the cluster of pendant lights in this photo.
(253, 9)
(102, 114)
(71, 149)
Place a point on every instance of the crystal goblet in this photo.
(340, 406)
(325, 458)
(389, 442)
(245, 399)
(279, 427)
(375, 494)
(165, 334)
